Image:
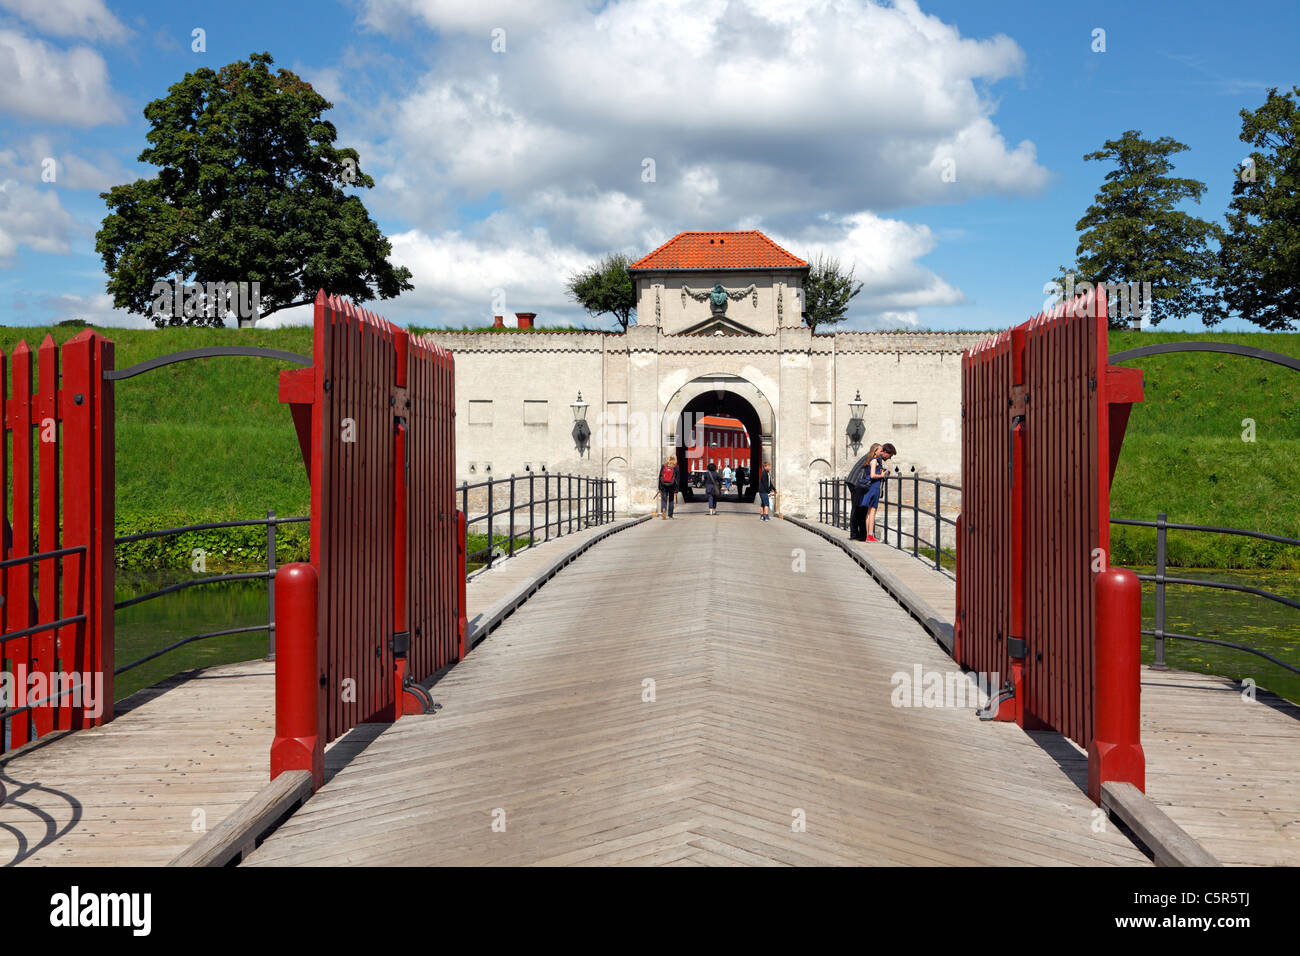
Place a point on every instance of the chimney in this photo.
(498, 322)
(526, 319)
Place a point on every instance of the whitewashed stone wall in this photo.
(514, 389)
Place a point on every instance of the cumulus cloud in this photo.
(97, 309)
(613, 130)
(84, 19)
(32, 217)
(56, 86)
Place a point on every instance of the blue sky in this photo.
(500, 171)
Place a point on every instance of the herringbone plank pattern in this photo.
(772, 708)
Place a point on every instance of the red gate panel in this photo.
(374, 417)
(1044, 418)
(56, 616)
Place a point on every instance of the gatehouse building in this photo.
(719, 333)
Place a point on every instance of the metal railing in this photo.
(271, 522)
(836, 507)
(8, 714)
(579, 501)
(1161, 579)
(835, 500)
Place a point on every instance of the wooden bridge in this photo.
(771, 737)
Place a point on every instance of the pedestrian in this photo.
(876, 468)
(711, 487)
(858, 490)
(668, 477)
(726, 478)
(765, 490)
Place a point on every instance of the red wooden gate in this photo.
(374, 419)
(56, 618)
(1044, 418)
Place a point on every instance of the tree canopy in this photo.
(606, 289)
(827, 292)
(250, 189)
(1134, 233)
(1259, 257)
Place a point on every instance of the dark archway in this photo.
(724, 404)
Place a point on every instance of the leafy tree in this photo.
(1259, 257)
(605, 288)
(249, 190)
(827, 292)
(1133, 233)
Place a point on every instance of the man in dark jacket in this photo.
(711, 487)
(765, 488)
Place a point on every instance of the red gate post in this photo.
(298, 743)
(1115, 751)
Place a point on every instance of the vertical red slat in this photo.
(18, 593)
(47, 431)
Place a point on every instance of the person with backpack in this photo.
(668, 487)
(859, 489)
(765, 490)
(877, 474)
(711, 487)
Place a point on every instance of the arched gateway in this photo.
(719, 330)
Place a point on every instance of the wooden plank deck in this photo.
(130, 793)
(1223, 767)
(772, 705)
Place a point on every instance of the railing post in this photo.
(568, 500)
(916, 510)
(270, 584)
(510, 547)
(546, 504)
(490, 546)
(532, 517)
(1115, 752)
(1161, 556)
(464, 497)
(938, 527)
(298, 744)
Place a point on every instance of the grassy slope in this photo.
(1184, 452)
(199, 441)
(209, 440)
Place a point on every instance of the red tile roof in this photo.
(719, 422)
(735, 249)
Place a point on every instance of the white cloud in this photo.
(97, 309)
(84, 19)
(31, 161)
(805, 121)
(457, 16)
(41, 82)
(32, 217)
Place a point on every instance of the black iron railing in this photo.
(271, 522)
(1161, 580)
(835, 506)
(53, 695)
(566, 503)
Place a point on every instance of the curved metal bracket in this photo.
(214, 352)
(1230, 348)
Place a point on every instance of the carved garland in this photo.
(702, 295)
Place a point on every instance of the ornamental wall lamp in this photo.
(857, 429)
(581, 431)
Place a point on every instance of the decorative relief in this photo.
(717, 296)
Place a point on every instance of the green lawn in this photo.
(1184, 453)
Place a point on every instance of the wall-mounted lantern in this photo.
(857, 429)
(581, 432)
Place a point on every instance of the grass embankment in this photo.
(209, 441)
(201, 441)
(1184, 453)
